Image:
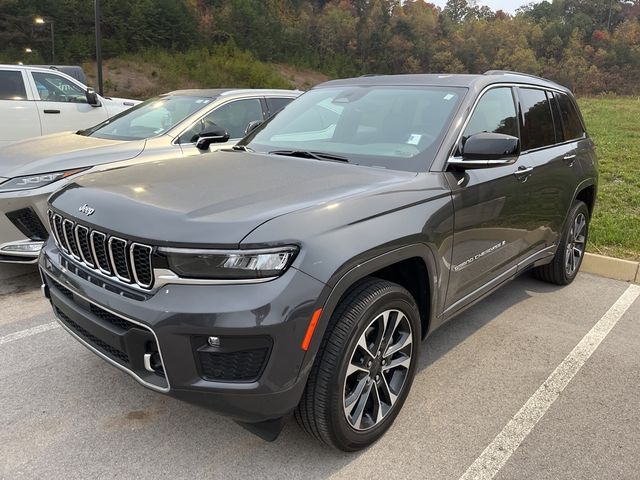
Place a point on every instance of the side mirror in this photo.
(484, 150)
(92, 98)
(212, 135)
(252, 126)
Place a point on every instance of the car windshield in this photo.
(148, 119)
(396, 127)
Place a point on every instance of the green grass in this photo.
(614, 125)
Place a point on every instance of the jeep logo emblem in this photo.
(86, 209)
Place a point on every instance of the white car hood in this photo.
(63, 151)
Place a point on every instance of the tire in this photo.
(330, 405)
(560, 271)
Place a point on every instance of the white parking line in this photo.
(28, 332)
(494, 457)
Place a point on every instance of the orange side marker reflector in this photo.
(310, 329)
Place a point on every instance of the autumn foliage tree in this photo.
(592, 46)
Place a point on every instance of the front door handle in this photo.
(52, 111)
(523, 173)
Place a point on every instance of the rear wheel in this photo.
(566, 263)
(364, 368)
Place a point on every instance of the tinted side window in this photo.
(571, 124)
(277, 104)
(538, 124)
(12, 85)
(557, 122)
(494, 113)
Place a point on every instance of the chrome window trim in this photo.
(511, 85)
(113, 263)
(105, 357)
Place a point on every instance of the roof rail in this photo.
(370, 75)
(509, 72)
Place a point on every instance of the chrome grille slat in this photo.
(142, 276)
(111, 256)
(82, 239)
(117, 258)
(57, 223)
(99, 249)
(69, 237)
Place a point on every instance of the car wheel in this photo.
(364, 368)
(566, 263)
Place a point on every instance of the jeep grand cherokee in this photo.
(298, 272)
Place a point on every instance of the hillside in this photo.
(144, 75)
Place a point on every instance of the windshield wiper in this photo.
(307, 154)
(242, 148)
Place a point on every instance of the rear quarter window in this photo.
(571, 124)
(12, 85)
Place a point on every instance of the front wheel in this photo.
(566, 263)
(364, 368)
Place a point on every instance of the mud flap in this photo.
(268, 430)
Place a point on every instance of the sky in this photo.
(509, 6)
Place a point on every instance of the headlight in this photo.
(231, 264)
(35, 181)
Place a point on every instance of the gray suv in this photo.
(299, 271)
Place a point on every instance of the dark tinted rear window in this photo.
(276, 104)
(12, 85)
(571, 124)
(537, 130)
(557, 122)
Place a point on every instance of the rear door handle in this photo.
(52, 111)
(570, 159)
(523, 173)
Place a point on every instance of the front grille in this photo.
(127, 261)
(27, 221)
(240, 366)
(92, 339)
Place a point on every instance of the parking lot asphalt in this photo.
(65, 413)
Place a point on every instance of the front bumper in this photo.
(171, 327)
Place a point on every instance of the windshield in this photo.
(148, 119)
(396, 127)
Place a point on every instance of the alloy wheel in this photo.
(576, 244)
(377, 370)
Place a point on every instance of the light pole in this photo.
(41, 21)
(98, 47)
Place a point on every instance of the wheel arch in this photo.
(418, 258)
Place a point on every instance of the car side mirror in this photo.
(252, 126)
(92, 98)
(214, 134)
(484, 150)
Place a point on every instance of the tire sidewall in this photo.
(579, 207)
(344, 434)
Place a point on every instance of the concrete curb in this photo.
(609, 267)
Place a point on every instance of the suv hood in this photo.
(63, 151)
(213, 200)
